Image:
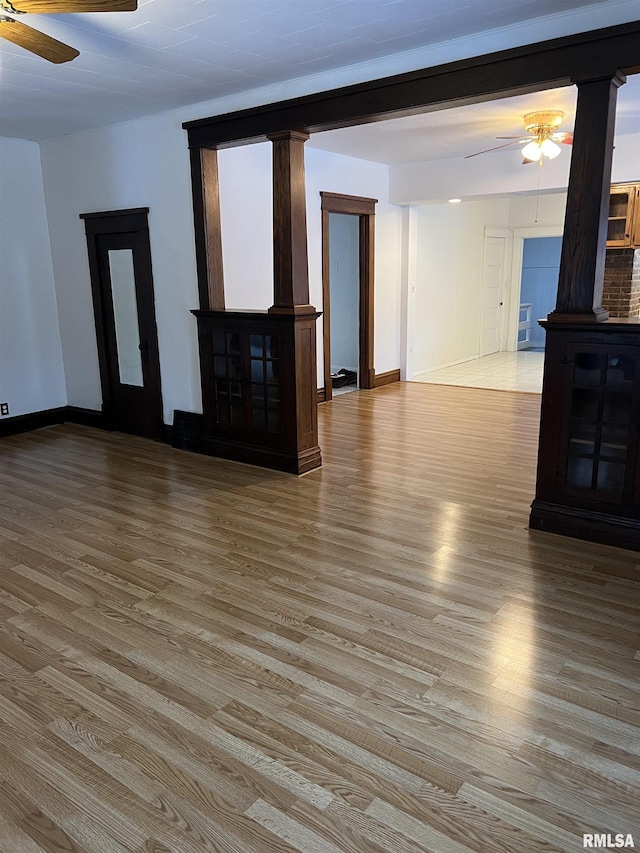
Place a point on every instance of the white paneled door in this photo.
(493, 273)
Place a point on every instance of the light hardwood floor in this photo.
(377, 657)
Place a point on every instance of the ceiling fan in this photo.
(43, 45)
(542, 140)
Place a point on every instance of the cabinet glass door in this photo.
(600, 447)
(619, 222)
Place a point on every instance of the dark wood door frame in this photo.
(364, 209)
(132, 222)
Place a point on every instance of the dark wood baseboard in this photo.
(32, 420)
(321, 395)
(300, 463)
(387, 378)
(86, 417)
(50, 417)
(581, 523)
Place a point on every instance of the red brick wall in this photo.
(621, 296)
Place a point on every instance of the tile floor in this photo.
(344, 390)
(503, 371)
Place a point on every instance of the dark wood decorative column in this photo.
(258, 368)
(290, 264)
(588, 482)
(208, 233)
(291, 286)
(581, 276)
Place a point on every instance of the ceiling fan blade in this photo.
(519, 138)
(486, 150)
(52, 7)
(563, 138)
(36, 42)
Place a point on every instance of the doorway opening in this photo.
(124, 312)
(347, 288)
(538, 289)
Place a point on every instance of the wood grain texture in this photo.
(35, 41)
(290, 263)
(378, 657)
(207, 227)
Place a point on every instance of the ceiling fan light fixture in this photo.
(550, 149)
(533, 151)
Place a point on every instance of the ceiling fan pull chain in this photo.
(538, 191)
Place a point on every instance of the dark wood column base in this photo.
(293, 310)
(598, 315)
(585, 524)
(264, 457)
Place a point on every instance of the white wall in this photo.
(145, 163)
(246, 210)
(447, 241)
(444, 310)
(139, 164)
(327, 172)
(344, 262)
(498, 172)
(528, 211)
(31, 371)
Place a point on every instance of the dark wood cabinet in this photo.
(623, 228)
(588, 473)
(259, 387)
(599, 453)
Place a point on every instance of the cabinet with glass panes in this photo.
(600, 446)
(623, 227)
(246, 386)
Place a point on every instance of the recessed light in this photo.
(455, 200)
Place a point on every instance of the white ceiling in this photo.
(461, 131)
(173, 53)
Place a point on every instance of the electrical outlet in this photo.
(4, 409)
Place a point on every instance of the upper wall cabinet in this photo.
(624, 216)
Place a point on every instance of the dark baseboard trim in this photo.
(321, 395)
(581, 523)
(86, 417)
(300, 463)
(32, 420)
(387, 378)
(52, 417)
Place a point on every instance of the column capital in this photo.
(297, 135)
(617, 77)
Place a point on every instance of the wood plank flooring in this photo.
(377, 657)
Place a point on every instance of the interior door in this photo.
(492, 295)
(122, 285)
